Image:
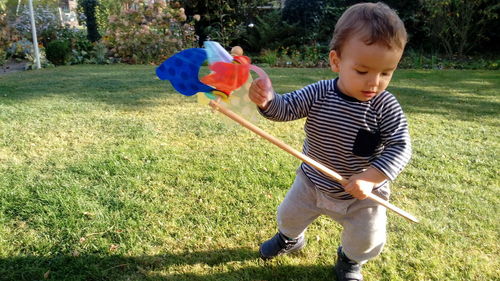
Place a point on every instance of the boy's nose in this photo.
(374, 80)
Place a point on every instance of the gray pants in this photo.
(363, 221)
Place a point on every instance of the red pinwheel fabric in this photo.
(227, 77)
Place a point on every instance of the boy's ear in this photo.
(334, 61)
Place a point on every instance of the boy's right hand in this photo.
(261, 92)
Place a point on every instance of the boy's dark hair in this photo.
(374, 22)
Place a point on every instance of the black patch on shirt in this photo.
(366, 142)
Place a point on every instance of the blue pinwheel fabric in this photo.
(182, 71)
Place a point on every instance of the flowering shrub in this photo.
(23, 49)
(148, 32)
(7, 34)
(47, 23)
(20, 49)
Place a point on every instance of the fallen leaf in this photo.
(88, 214)
(113, 247)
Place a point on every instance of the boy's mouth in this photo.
(369, 94)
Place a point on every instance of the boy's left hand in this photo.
(361, 185)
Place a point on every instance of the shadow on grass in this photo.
(96, 267)
(113, 85)
(466, 108)
(458, 95)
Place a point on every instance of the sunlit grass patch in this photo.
(107, 174)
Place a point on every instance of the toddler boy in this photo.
(356, 128)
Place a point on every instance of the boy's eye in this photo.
(361, 72)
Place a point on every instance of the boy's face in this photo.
(364, 70)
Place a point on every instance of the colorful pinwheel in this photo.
(228, 73)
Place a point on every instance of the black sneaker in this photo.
(280, 245)
(346, 269)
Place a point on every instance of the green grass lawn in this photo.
(107, 174)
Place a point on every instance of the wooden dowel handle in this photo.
(393, 208)
(320, 167)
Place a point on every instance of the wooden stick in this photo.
(323, 169)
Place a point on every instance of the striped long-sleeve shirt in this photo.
(345, 134)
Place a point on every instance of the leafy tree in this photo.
(269, 32)
(460, 25)
(408, 11)
(89, 9)
(222, 20)
(306, 15)
(457, 26)
(113, 6)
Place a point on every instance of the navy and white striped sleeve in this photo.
(294, 105)
(395, 139)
